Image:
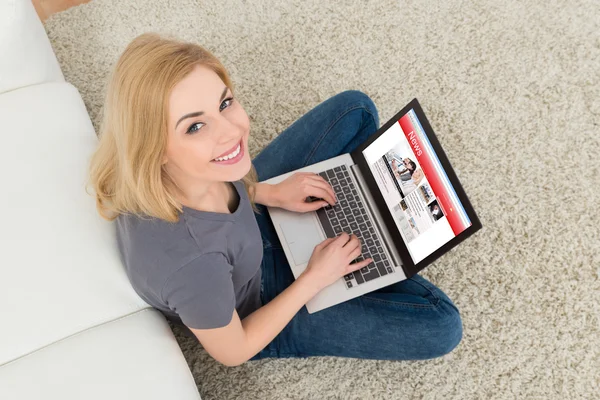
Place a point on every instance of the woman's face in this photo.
(197, 145)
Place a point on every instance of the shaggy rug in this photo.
(511, 89)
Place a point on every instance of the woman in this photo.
(409, 166)
(173, 169)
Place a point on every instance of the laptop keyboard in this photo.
(349, 215)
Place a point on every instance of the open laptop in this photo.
(398, 193)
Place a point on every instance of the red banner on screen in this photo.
(432, 175)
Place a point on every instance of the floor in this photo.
(511, 90)
(46, 8)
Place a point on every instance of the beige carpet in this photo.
(511, 89)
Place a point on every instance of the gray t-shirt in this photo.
(198, 269)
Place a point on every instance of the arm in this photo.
(263, 194)
(237, 342)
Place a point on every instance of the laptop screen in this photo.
(415, 187)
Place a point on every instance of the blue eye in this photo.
(190, 130)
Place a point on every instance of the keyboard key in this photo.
(358, 277)
(386, 263)
(380, 249)
(346, 210)
(333, 182)
(354, 192)
(337, 188)
(330, 173)
(389, 269)
(356, 213)
(339, 175)
(348, 277)
(377, 243)
(350, 197)
(344, 203)
(347, 230)
(367, 254)
(331, 213)
(363, 248)
(366, 234)
(346, 189)
(344, 223)
(349, 284)
(338, 169)
(364, 270)
(354, 226)
(337, 208)
(362, 211)
(376, 257)
(371, 275)
(340, 215)
(369, 223)
(350, 218)
(372, 231)
(357, 233)
(370, 242)
(337, 229)
(360, 220)
(381, 268)
(323, 175)
(340, 196)
(334, 221)
(343, 182)
(362, 227)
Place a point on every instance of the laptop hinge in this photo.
(377, 218)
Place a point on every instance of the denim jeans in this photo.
(408, 320)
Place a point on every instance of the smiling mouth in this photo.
(233, 156)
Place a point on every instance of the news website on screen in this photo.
(415, 187)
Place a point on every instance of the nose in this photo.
(229, 131)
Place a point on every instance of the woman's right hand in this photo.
(331, 259)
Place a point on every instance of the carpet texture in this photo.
(511, 89)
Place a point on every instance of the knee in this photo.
(449, 331)
(362, 101)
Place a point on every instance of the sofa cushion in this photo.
(60, 269)
(135, 357)
(26, 56)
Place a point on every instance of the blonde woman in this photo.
(172, 167)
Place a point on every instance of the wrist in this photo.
(265, 194)
(310, 284)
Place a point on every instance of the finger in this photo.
(352, 243)
(320, 192)
(358, 265)
(318, 180)
(342, 239)
(325, 242)
(353, 254)
(311, 206)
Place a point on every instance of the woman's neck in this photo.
(221, 197)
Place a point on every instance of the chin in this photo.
(237, 171)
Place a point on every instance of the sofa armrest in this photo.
(26, 56)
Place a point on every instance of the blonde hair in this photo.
(125, 170)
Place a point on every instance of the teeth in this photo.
(228, 156)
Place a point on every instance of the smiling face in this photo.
(207, 133)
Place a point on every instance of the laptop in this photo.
(398, 193)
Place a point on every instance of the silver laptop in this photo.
(397, 192)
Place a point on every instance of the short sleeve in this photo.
(201, 292)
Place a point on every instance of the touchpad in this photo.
(301, 235)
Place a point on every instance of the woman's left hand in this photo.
(291, 193)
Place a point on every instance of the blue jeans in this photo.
(408, 320)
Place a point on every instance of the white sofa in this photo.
(71, 326)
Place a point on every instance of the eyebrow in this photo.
(198, 113)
